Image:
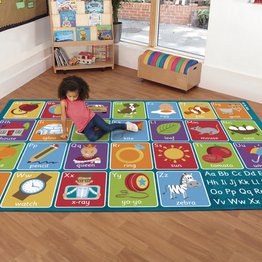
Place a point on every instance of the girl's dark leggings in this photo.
(97, 127)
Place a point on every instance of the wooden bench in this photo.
(169, 70)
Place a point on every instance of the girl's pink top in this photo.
(79, 113)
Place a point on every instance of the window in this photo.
(135, 18)
(180, 24)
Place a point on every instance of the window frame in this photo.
(154, 32)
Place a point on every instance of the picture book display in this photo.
(64, 5)
(68, 18)
(104, 32)
(94, 6)
(81, 23)
(82, 33)
(64, 35)
(187, 155)
(95, 19)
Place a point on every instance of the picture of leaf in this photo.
(168, 128)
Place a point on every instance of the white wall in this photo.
(25, 53)
(233, 62)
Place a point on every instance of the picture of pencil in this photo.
(46, 151)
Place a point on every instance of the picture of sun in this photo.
(174, 154)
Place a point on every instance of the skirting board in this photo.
(231, 83)
(21, 73)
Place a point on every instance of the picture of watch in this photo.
(32, 186)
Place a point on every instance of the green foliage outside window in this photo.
(116, 4)
(203, 16)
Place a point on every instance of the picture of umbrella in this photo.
(257, 151)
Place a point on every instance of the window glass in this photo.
(135, 18)
(183, 25)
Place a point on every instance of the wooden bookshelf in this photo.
(84, 43)
(95, 65)
(55, 26)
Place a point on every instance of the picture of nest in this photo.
(243, 130)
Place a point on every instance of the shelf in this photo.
(83, 43)
(73, 47)
(95, 65)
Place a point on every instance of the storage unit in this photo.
(77, 26)
(169, 70)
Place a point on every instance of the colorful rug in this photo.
(187, 155)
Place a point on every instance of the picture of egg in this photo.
(55, 109)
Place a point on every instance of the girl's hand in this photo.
(64, 135)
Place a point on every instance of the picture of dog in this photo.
(130, 108)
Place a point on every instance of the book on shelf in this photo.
(86, 21)
(95, 19)
(83, 33)
(60, 57)
(68, 18)
(100, 52)
(64, 35)
(104, 32)
(64, 5)
(94, 6)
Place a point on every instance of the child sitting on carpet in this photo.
(72, 92)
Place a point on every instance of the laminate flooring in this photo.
(128, 236)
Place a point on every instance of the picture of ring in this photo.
(139, 153)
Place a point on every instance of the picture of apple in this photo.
(222, 151)
(24, 108)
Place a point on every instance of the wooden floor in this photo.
(132, 236)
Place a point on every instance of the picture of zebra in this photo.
(186, 181)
